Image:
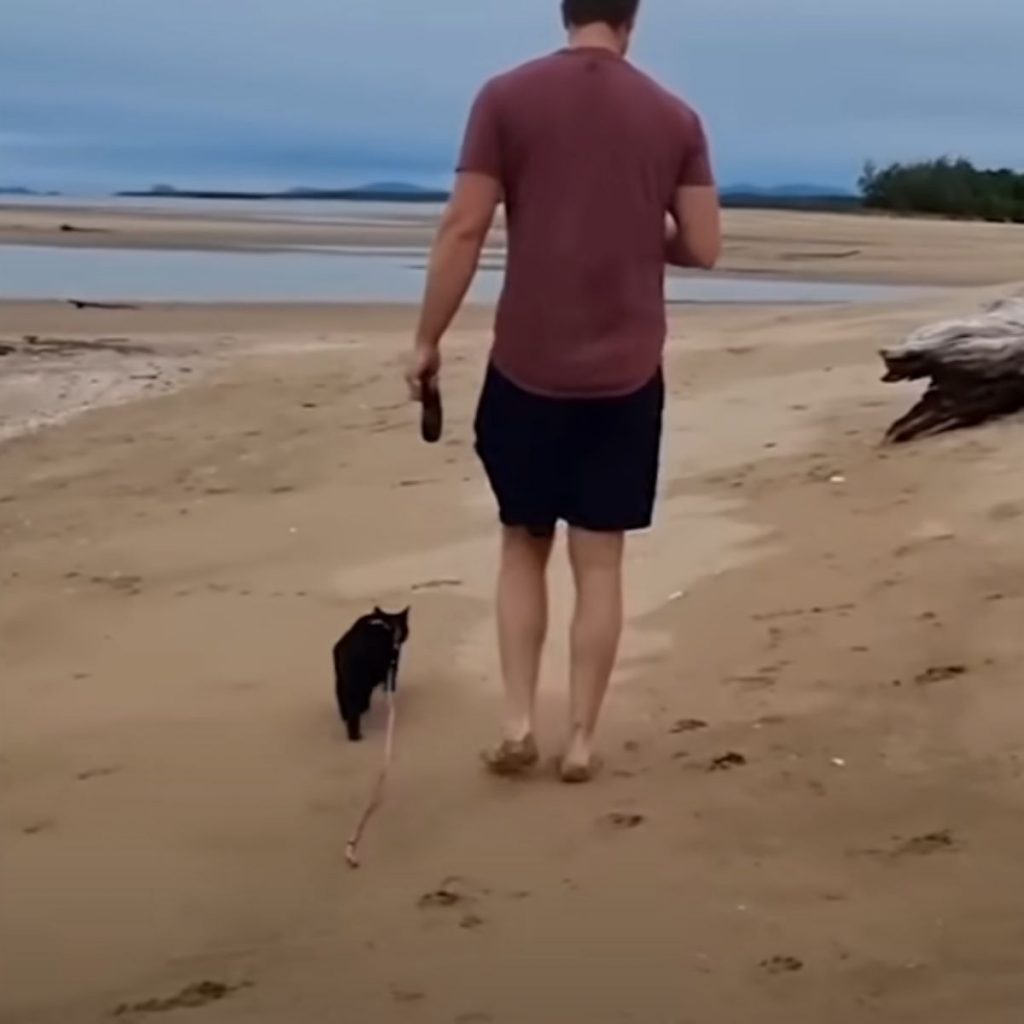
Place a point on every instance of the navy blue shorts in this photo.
(590, 462)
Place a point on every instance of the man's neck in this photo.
(597, 36)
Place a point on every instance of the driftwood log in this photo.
(81, 304)
(975, 369)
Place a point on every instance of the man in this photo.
(588, 155)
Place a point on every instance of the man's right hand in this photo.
(422, 369)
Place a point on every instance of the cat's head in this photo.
(398, 621)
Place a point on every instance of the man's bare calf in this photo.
(596, 560)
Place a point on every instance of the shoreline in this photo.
(58, 363)
(810, 246)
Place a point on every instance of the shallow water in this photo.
(325, 274)
(316, 210)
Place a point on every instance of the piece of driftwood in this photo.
(79, 304)
(975, 369)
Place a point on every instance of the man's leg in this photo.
(596, 560)
(522, 626)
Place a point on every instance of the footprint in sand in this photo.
(727, 762)
(622, 822)
(940, 674)
(943, 841)
(441, 899)
(688, 725)
(782, 965)
(37, 827)
(456, 895)
(131, 585)
(452, 892)
(98, 773)
(757, 681)
(192, 997)
(925, 845)
(407, 996)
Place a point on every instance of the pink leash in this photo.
(431, 427)
(377, 793)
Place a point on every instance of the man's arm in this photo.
(461, 236)
(456, 253)
(695, 228)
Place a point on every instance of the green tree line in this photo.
(948, 188)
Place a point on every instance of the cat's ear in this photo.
(405, 614)
(377, 610)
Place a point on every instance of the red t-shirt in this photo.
(589, 152)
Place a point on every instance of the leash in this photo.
(377, 793)
(431, 429)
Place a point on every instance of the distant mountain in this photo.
(393, 191)
(18, 190)
(398, 192)
(797, 197)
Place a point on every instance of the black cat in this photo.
(363, 660)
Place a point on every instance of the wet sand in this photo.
(810, 805)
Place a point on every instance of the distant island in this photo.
(952, 188)
(781, 197)
(817, 198)
(384, 191)
(20, 190)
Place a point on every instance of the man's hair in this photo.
(617, 13)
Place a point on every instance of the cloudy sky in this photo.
(112, 93)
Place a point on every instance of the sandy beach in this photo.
(813, 765)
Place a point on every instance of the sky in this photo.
(98, 94)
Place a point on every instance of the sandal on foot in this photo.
(580, 774)
(512, 757)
